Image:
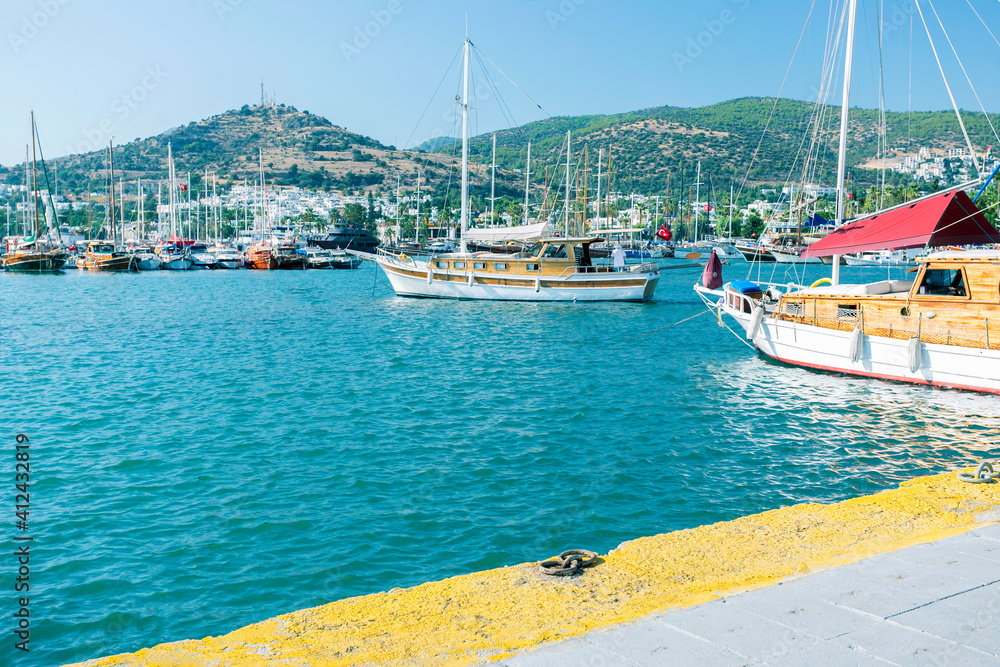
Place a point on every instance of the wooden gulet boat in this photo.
(35, 254)
(553, 269)
(107, 255)
(940, 329)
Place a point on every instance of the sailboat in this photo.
(108, 255)
(552, 269)
(175, 255)
(941, 328)
(35, 253)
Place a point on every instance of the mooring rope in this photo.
(650, 333)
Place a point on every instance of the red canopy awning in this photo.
(948, 218)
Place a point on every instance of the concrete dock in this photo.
(906, 576)
(930, 604)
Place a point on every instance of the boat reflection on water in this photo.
(848, 433)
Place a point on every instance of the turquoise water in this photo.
(212, 449)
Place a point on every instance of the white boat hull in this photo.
(148, 263)
(176, 264)
(616, 286)
(793, 258)
(878, 357)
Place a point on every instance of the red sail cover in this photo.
(711, 277)
(949, 218)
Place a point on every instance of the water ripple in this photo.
(210, 450)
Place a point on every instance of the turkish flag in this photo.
(850, 195)
(664, 233)
(184, 187)
(708, 208)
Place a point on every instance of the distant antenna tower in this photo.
(262, 98)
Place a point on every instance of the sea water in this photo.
(211, 449)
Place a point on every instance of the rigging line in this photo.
(777, 98)
(978, 210)
(504, 108)
(965, 73)
(511, 81)
(431, 101)
(945, 79)
(983, 22)
(669, 326)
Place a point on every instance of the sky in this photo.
(100, 70)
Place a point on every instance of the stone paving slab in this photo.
(930, 604)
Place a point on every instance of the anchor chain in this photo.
(984, 474)
(568, 563)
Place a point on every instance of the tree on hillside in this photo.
(354, 215)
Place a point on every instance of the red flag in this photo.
(850, 195)
(708, 208)
(184, 187)
(664, 233)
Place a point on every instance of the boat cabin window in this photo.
(442, 265)
(459, 265)
(556, 251)
(103, 248)
(535, 250)
(479, 266)
(500, 266)
(943, 282)
(530, 267)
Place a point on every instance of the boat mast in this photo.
(465, 145)
(416, 226)
(566, 226)
(527, 184)
(842, 155)
(170, 192)
(731, 205)
(121, 202)
(111, 195)
(600, 154)
(697, 202)
(493, 184)
(34, 181)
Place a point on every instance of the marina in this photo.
(528, 373)
(185, 489)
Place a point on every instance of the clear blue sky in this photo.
(134, 69)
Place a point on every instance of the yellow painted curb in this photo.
(488, 615)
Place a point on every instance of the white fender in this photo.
(857, 345)
(916, 354)
(470, 280)
(538, 283)
(755, 323)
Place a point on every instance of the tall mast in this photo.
(465, 145)
(731, 205)
(399, 209)
(34, 180)
(121, 203)
(111, 194)
(586, 174)
(493, 183)
(566, 226)
(600, 154)
(842, 155)
(697, 201)
(170, 192)
(527, 184)
(141, 215)
(416, 226)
